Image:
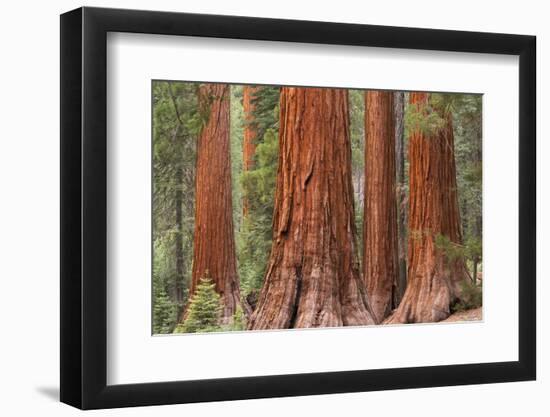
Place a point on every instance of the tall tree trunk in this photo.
(178, 201)
(313, 277)
(433, 277)
(380, 208)
(214, 243)
(399, 102)
(250, 135)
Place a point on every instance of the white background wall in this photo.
(29, 225)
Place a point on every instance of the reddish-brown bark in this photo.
(433, 277)
(214, 244)
(380, 208)
(250, 135)
(313, 277)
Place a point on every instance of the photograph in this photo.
(294, 207)
(264, 209)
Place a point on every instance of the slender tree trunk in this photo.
(380, 208)
(313, 277)
(250, 135)
(433, 278)
(399, 102)
(178, 201)
(214, 244)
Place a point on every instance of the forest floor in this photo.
(467, 315)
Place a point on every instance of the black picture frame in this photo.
(84, 207)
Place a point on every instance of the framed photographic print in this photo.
(255, 207)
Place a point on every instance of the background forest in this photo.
(216, 199)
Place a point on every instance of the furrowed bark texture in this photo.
(399, 103)
(433, 279)
(250, 135)
(380, 208)
(214, 244)
(313, 277)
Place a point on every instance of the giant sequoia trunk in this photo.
(250, 135)
(313, 277)
(399, 103)
(214, 245)
(433, 276)
(380, 209)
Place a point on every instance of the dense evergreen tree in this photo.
(174, 147)
(204, 309)
(466, 110)
(258, 189)
(250, 137)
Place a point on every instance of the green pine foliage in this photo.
(164, 313)
(425, 118)
(238, 322)
(473, 249)
(471, 296)
(254, 242)
(467, 111)
(175, 130)
(469, 251)
(204, 310)
(165, 308)
(453, 251)
(258, 188)
(236, 138)
(467, 126)
(266, 110)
